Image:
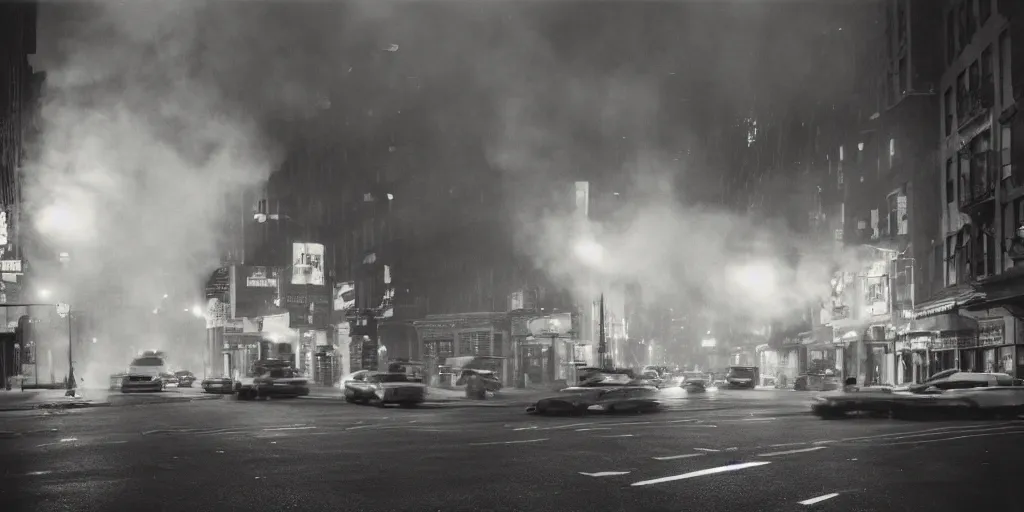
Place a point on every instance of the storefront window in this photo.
(968, 360)
(990, 360)
(1006, 360)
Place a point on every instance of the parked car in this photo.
(185, 378)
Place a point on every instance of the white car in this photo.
(145, 373)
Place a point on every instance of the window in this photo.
(1005, 74)
(984, 11)
(950, 37)
(964, 182)
(981, 171)
(950, 108)
(937, 269)
(1005, 141)
(961, 97)
(974, 76)
(892, 151)
(984, 252)
(903, 78)
(970, 22)
(951, 260)
(950, 181)
(987, 78)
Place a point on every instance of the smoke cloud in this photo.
(152, 114)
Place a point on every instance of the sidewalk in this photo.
(18, 400)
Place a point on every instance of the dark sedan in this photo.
(608, 393)
(185, 378)
(282, 382)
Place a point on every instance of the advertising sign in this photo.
(261, 277)
(552, 326)
(11, 266)
(308, 264)
(709, 343)
(344, 296)
(218, 286)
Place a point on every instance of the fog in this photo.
(152, 113)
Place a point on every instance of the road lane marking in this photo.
(933, 434)
(533, 427)
(783, 445)
(707, 450)
(941, 430)
(819, 499)
(69, 439)
(702, 472)
(790, 452)
(275, 429)
(571, 425)
(674, 457)
(509, 442)
(628, 423)
(595, 428)
(989, 434)
(605, 473)
(619, 435)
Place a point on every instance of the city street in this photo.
(327, 455)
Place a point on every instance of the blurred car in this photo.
(697, 386)
(951, 392)
(170, 380)
(384, 388)
(601, 393)
(185, 378)
(816, 381)
(479, 382)
(740, 377)
(274, 381)
(145, 373)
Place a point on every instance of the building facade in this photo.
(974, 323)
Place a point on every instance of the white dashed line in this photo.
(69, 439)
(605, 473)
(509, 442)
(790, 452)
(990, 434)
(595, 428)
(706, 450)
(618, 435)
(819, 499)
(674, 457)
(703, 472)
(274, 429)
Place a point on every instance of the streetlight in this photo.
(757, 279)
(44, 294)
(197, 311)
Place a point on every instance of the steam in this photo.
(143, 137)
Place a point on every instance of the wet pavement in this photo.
(749, 452)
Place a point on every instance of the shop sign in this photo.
(261, 277)
(954, 341)
(991, 332)
(10, 266)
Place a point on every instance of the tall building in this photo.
(974, 322)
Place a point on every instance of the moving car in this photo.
(697, 386)
(275, 379)
(145, 373)
(602, 393)
(951, 392)
(384, 388)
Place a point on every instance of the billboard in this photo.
(308, 264)
(553, 326)
(344, 296)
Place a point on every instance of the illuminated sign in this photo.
(10, 266)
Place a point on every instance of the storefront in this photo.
(912, 357)
(948, 348)
(444, 337)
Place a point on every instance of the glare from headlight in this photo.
(713, 388)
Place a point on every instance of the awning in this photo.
(943, 322)
(948, 300)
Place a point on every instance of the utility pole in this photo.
(602, 347)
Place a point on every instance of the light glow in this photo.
(589, 252)
(756, 279)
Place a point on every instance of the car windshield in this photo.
(741, 373)
(148, 361)
(389, 377)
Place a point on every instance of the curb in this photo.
(56, 405)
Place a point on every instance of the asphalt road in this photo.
(312, 455)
